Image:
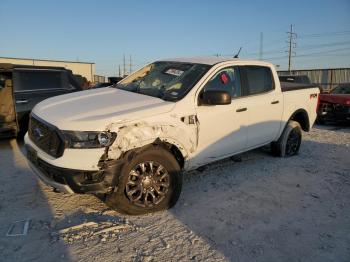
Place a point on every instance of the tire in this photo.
(289, 142)
(137, 182)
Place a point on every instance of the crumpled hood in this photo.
(94, 110)
(342, 99)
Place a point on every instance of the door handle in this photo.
(241, 109)
(275, 102)
(21, 102)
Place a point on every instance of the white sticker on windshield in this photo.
(173, 71)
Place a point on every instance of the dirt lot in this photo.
(260, 209)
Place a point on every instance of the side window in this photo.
(227, 79)
(40, 79)
(258, 79)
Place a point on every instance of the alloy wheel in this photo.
(293, 143)
(147, 185)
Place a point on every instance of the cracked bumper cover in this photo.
(72, 180)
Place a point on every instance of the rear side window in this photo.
(258, 79)
(37, 80)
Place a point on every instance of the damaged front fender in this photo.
(139, 134)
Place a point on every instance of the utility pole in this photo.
(119, 70)
(124, 65)
(130, 64)
(261, 46)
(291, 44)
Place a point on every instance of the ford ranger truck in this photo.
(132, 141)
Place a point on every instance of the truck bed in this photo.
(287, 86)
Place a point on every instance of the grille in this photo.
(329, 107)
(45, 137)
(326, 107)
(51, 172)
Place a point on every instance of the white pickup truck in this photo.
(130, 142)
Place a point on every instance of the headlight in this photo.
(88, 139)
(105, 138)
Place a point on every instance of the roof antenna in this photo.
(236, 55)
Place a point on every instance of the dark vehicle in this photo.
(100, 85)
(335, 106)
(114, 79)
(300, 79)
(22, 87)
(111, 81)
(82, 81)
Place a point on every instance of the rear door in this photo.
(264, 104)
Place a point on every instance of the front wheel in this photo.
(151, 181)
(289, 142)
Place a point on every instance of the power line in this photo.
(320, 53)
(339, 33)
(307, 47)
(325, 52)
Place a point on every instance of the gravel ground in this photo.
(260, 209)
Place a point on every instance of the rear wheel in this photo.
(289, 142)
(149, 182)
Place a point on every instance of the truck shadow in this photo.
(261, 208)
(272, 209)
(342, 127)
(22, 197)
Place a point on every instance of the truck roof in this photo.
(212, 60)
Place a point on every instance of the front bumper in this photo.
(50, 182)
(71, 181)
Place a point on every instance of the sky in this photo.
(104, 31)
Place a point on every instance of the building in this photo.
(327, 79)
(86, 69)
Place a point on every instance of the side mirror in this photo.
(215, 97)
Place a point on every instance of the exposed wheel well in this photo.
(302, 117)
(174, 150)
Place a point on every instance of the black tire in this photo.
(128, 182)
(289, 142)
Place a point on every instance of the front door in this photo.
(222, 128)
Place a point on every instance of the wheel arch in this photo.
(302, 117)
(172, 148)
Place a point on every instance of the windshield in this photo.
(343, 89)
(166, 80)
